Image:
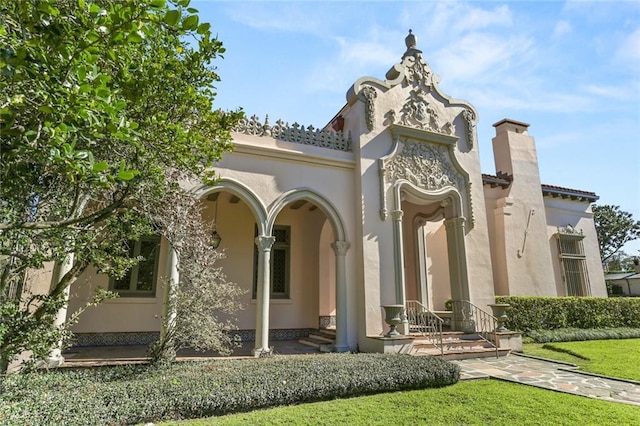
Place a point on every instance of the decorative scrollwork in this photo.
(369, 94)
(418, 113)
(295, 133)
(425, 166)
(417, 71)
(469, 118)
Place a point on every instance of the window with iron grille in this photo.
(140, 280)
(573, 262)
(279, 263)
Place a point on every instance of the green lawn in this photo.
(480, 402)
(616, 358)
(475, 402)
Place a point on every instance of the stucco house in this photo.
(385, 205)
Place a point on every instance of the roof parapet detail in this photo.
(411, 41)
(324, 138)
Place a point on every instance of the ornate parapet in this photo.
(295, 133)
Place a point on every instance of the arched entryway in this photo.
(289, 258)
(429, 246)
(318, 248)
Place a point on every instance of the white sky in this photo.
(570, 69)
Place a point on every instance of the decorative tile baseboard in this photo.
(327, 321)
(114, 339)
(146, 338)
(279, 334)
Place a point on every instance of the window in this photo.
(279, 263)
(573, 261)
(140, 280)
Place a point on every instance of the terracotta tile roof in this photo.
(574, 194)
(502, 180)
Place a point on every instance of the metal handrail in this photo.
(422, 320)
(469, 316)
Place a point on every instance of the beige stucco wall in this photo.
(326, 273)
(38, 281)
(506, 246)
(376, 254)
(521, 258)
(560, 213)
(270, 168)
(123, 314)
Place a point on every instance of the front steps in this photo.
(457, 345)
(323, 339)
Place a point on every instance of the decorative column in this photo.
(340, 248)
(398, 257)
(457, 261)
(420, 235)
(55, 358)
(264, 244)
(169, 312)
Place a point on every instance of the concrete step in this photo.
(322, 337)
(327, 332)
(457, 345)
(324, 340)
(452, 344)
(480, 352)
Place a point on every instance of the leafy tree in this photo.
(620, 261)
(104, 107)
(615, 228)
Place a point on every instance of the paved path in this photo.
(551, 375)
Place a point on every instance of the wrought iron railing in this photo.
(469, 318)
(422, 320)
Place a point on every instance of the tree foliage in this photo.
(615, 228)
(104, 107)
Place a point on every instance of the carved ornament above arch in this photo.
(430, 167)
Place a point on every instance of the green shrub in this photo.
(549, 313)
(138, 394)
(578, 334)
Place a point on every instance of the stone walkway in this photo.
(551, 375)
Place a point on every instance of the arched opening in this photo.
(237, 213)
(318, 267)
(427, 277)
(301, 262)
(429, 243)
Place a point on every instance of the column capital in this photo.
(340, 247)
(264, 243)
(397, 215)
(454, 222)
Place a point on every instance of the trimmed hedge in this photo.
(580, 334)
(549, 313)
(138, 394)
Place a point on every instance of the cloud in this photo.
(628, 51)
(620, 92)
(479, 57)
(354, 58)
(472, 18)
(562, 28)
(442, 21)
(282, 16)
(511, 96)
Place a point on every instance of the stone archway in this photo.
(340, 247)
